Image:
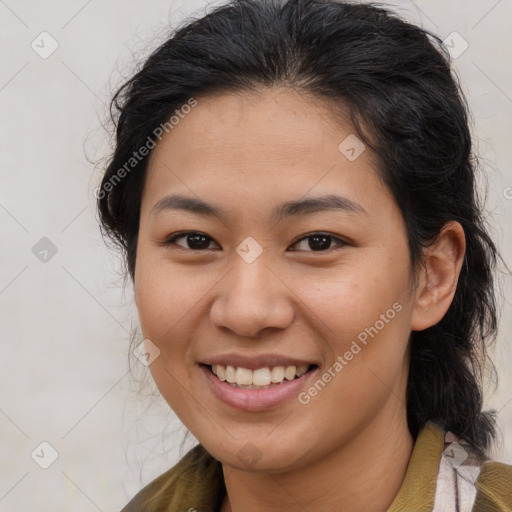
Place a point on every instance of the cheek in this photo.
(166, 297)
(353, 296)
(364, 320)
(362, 312)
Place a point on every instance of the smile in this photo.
(261, 378)
(239, 394)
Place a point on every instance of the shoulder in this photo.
(467, 481)
(196, 477)
(494, 487)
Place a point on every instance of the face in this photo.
(321, 286)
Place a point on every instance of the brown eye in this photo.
(194, 241)
(320, 242)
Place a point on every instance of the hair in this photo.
(394, 80)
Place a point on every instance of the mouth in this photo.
(259, 378)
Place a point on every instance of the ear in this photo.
(438, 277)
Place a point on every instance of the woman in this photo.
(293, 187)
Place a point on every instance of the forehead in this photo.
(280, 120)
(268, 144)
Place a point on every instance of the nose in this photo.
(252, 297)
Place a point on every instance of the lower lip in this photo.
(256, 399)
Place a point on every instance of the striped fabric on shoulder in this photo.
(466, 483)
(459, 470)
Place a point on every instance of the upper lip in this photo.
(256, 361)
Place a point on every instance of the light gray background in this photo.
(65, 323)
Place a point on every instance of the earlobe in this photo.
(438, 277)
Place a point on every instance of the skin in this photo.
(349, 447)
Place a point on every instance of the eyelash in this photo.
(171, 240)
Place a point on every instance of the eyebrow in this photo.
(280, 212)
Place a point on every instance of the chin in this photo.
(256, 454)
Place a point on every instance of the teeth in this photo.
(230, 373)
(262, 377)
(278, 374)
(243, 376)
(221, 372)
(301, 370)
(289, 373)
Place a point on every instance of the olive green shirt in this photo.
(443, 475)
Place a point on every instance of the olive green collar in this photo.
(419, 486)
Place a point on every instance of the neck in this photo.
(365, 474)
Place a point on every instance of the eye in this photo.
(320, 242)
(196, 241)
